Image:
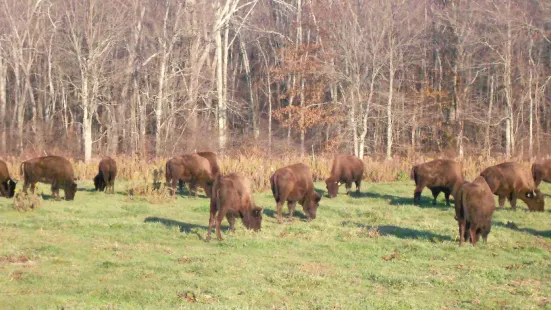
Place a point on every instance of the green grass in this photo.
(375, 251)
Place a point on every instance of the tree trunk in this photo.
(489, 119)
(389, 102)
(86, 117)
(3, 103)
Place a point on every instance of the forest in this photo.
(378, 78)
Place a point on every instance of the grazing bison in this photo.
(294, 183)
(54, 170)
(346, 169)
(541, 172)
(474, 206)
(107, 172)
(232, 197)
(214, 166)
(440, 175)
(510, 180)
(189, 168)
(7, 184)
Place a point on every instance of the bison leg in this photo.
(435, 192)
(474, 234)
(417, 193)
(219, 218)
(291, 205)
(447, 194)
(513, 200)
(231, 220)
(501, 201)
(25, 187)
(280, 211)
(4, 188)
(211, 223)
(358, 185)
(348, 187)
(462, 225)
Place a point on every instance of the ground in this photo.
(375, 250)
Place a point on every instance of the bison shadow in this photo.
(183, 227)
(513, 226)
(401, 232)
(426, 202)
(273, 213)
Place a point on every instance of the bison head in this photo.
(534, 200)
(70, 191)
(255, 219)
(11, 188)
(311, 206)
(332, 188)
(99, 183)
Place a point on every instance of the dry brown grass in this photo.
(259, 168)
(24, 202)
(149, 192)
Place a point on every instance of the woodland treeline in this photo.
(371, 77)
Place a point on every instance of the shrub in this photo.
(23, 202)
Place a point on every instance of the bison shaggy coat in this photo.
(54, 170)
(474, 206)
(214, 166)
(189, 168)
(232, 197)
(294, 184)
(107, 172)
(7, 184)
(541, 172)
(440, 175)
(510, 180)
(346, 169)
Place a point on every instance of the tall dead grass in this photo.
(259, 169)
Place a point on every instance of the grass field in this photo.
(374, 251)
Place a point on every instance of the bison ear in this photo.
(530, 194)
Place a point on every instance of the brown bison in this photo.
(7, 184)
(346, 169)
(294, 183)
(214, 166)
(510, 180)
(474, 206)
(107, 172)
(232, 197)
(440, 175)
(189, 168)
(54, 170)
(541, 172)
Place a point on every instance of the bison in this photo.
(510, 180)
(541, 172)
(346, 169)
(107, 172)
(7, 184)
(440, 175)
(189, 168)
(232, 197)
(294, 183)
(214, 166)
(54, 170)
(474, 206)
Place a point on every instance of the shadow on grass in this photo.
(397, 200)
(183, 227)
(273, 213)
(513, 226)
(401, 232)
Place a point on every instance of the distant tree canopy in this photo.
(377, 78)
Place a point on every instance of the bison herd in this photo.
(231, 195)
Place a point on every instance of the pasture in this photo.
(375, 250)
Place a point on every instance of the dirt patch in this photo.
(17, 260)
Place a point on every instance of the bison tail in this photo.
(413, 174)
(275, 189)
